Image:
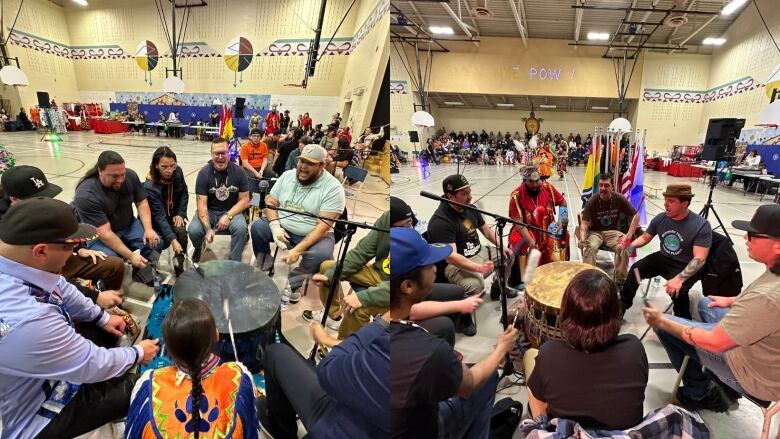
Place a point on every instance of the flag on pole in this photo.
(592, 169)
(637, 191)
(627, 165)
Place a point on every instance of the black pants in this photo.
(440, 326)
(94, 405)
(654, 265)
(292, 387)
(444, 292)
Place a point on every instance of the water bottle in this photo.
(286, 292)
(157, 280)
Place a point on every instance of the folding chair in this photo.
(358, 175)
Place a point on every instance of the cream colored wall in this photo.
(503, 66)
(366, 67)
(672, 123)
(46, 72)
(748, 51)
(402, 105)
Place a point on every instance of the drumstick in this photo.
(226, 310)
(533, 262)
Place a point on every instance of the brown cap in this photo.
(682, 191)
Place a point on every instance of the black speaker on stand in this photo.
(44, 104)
(43, 99)
(415, 139)
(719, 145)
(240, 107)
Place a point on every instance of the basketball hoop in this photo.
(422, 119)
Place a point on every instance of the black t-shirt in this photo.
(604, 214)
(222, 188)
(423, 371)
(285, 148)
(679, 237)
(599, 390)
(448, 226)
(97, 204)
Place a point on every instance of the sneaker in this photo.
(178, 265)
(144, 275)
(196, 253)
(316, 316)
(495, 292)
(713, 400)
(469, 331)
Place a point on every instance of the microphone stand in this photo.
(352, 227)
(501, 222)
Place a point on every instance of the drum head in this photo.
(253, 298)
(550, 281)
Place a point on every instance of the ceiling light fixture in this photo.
(441, 30)
(600, 36)
(452, 103)
(548, 106)
(501, 104)
(714, 41)
(732, 7)
(599, 108)
(81, 2)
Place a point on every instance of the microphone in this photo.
(530, 268)
(262, 189)
(430, 195)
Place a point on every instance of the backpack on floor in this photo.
(505, 418)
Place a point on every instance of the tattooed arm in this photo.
(699, 257)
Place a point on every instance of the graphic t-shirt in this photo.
(448, 226)
(604, 214)
(222, 188)
(678, 237)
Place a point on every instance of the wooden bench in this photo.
(655, 190)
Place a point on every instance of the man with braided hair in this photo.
(533, 202)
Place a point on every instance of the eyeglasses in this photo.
(166, 167)
(219, 153)
(752, 235)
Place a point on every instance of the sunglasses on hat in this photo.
(752, 235)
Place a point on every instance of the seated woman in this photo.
(615, 365)
(196, 396)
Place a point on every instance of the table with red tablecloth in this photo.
(657, 164)
(104, 126)
(682, 169)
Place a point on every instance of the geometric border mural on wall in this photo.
(398, 87)
(732, 88)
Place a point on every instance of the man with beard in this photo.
(307, 188)
(168, 198)
(533, 202)
(600, 226)
(685, 243)
(222, 191)
(104, 198)
(285, 148)
(457, 227)
(272, 122)
(432, 393)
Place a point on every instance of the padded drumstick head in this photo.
(533, 262)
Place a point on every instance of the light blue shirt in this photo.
(324, 195)
(43, 360)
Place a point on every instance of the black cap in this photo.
(28, 181)
(454, 183)
(766, 221)
(254, 131)
(24, 224)
(399, 210)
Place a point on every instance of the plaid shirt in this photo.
(670, 422)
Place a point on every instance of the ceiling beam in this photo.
(458, 21)
(633, 9)
(577, 24)
(519, 22)
(530, 104)
(417, 13)
(693, 34)
(587, 104)
(473, 19)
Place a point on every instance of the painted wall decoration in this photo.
(741, 85)
(195, 50)
(398, 87)
(296, 47)
(238, 56)
(259, 101)
(147, 57)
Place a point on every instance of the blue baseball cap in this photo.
(408, 250)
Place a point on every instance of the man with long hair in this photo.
(104, 198)
(168, 198)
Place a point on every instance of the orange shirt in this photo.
(254, 154)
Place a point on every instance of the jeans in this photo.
(469, 418)
(132, 236)
(442, 292)
(237, 229)
(292, 387)
(656, 264)
(94, 405)
(696, 381)
(315, 255)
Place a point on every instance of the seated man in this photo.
(360, 307)
(600, 225)
(254, 158)
(434, 394)
(168, 198)
(685, 243)
(104, 198)
(457, 227)
(222, 192)
(345, 396)
(23, 120)
(738, 339)
(292, 158)
(286, 146)
(310, 189)
(54, 383)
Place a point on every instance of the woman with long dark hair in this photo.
(196, 397)
(594, 376)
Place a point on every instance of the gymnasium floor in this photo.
(65, 162)
(491, 186)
